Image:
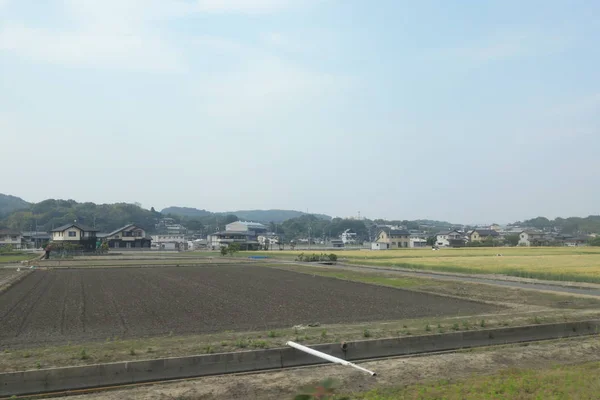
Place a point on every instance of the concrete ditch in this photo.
(114, 374)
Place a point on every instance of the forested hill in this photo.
(590, 224)
(276, 216)
(185, 212)
(51, 213)
(10, 203)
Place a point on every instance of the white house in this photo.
(10, 238)
(445, 238)
(169, 241)
(528, 237)
(76, 234)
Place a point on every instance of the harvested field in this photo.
(56, 306)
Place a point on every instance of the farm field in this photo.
(554, 263)
(56, 306)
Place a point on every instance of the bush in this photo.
(333, 257)
(367, 333)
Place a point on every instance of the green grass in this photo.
(562, 382)
(13, 258)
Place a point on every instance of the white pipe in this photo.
(327, 357)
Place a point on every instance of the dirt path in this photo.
(391, 372)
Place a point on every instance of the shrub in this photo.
(323, 334)
(482, 323)
(273, 334)
(333, 257)
(132, 352)
(427, 328)
(367, 333)
(84, 355)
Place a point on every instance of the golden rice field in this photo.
(555, 263)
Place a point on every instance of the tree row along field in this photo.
(555, 263)
(56, 306)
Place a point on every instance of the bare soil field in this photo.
(58, 306)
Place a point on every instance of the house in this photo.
(394, 238)
(225, 238)
(337, 243)
(35, 240)
(449, 239)
(416, 242)
(348, 237)
(530, 238)
(169, 241)
(480, 235)
(11, 238)
(127, 237)
(76, 234)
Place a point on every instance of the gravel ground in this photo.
(57, 306)
(394, 372)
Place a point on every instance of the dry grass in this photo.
(554, 263)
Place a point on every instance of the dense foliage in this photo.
(572, 225)
(49, 214)
(9, 204)
(264, 216)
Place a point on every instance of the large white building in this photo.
(348, 237)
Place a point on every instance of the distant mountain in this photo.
(10, 203)
(276, 216)
(185, 212)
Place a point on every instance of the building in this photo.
(225, 238)
(253, 229)
(127, 237)
(348, 237)
(35, 240)
(76, 234)
(530, 238)
(337, 243)
(394, 238)
(449, 239)
(11, 238)
(169, 241)
(416, 242)
(480, 235)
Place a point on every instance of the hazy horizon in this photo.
(473, 112)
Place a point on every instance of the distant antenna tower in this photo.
(359, 215)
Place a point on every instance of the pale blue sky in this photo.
(468, 111)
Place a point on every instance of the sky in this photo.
(468, 111)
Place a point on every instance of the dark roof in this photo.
(121, 229)
(448, 232)
(486, 232)
(76, 225)
(8, 232)
(391, 231)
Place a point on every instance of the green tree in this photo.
(233, 248)
(223, 251)
(431, 240)
(595, 241)
(512, 240)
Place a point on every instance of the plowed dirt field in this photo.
(57, 306)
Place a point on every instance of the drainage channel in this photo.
(126, 374)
